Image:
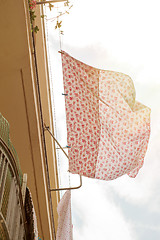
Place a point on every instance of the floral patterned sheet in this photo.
(107, 129)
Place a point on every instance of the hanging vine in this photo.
(32, 6)
(58, 25)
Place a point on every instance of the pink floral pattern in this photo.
(107, 130)
(64, 230)
(32, 4)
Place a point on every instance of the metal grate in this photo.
(3, 235)
(6, 193)
(12, 149)
(11, 207)
(4, 135)
(4, 130)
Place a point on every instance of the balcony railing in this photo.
(13, 222)
(12, 215)
(4, 135)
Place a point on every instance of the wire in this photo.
(52, 98)
(60, 39)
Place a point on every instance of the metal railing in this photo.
(4, 135)
(12, 215)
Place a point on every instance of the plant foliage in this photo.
(58, 25)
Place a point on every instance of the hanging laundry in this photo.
(31, 219)
(108, 130)
(64, 230)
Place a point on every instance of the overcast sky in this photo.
(119, 35)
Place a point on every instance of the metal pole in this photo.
(64, 148)
(52, 1)
(60, 189)
(47, 128)
(43, 135)
(71, 188)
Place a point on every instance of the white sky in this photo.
(120, 35)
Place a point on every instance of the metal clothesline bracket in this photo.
(60, 147)
(66, 147)
(71, 188)
(52, 1)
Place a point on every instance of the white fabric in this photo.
(64, 230)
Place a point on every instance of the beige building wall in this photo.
(19, 104)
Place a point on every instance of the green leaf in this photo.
(70, 6)
(59, 24)
(50, 6)
(66, 4)
(43, 16)
(36, 29)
